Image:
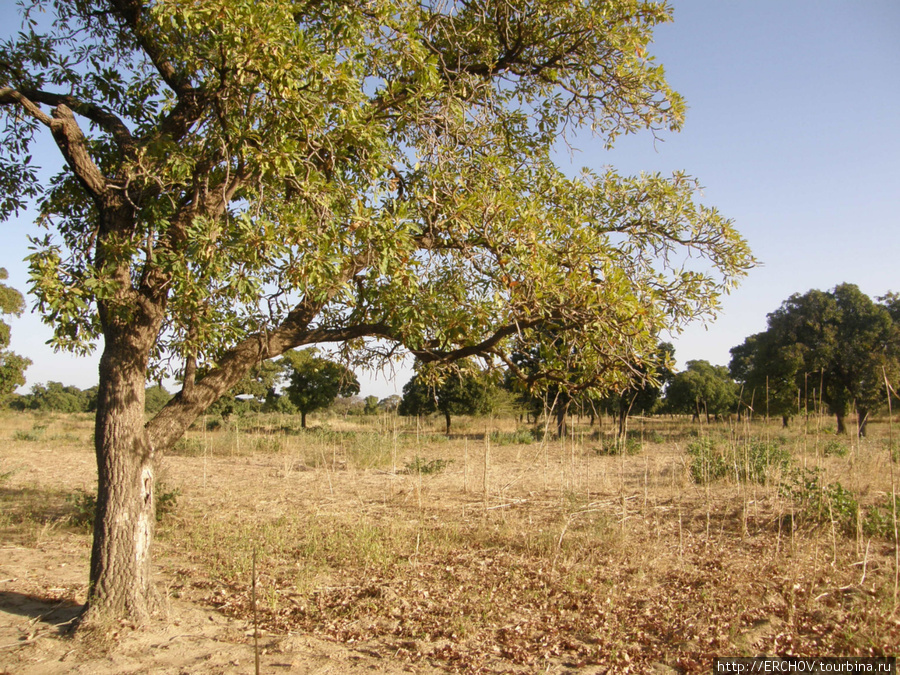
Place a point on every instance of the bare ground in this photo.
(515, 558)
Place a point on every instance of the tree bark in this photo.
(120, 579)
(862, 415)
(841, 425)
(561, 412)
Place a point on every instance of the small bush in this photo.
(620, 446)
(752, 461)
(83, 505)
(707, 462)
(187, 447)
(818, 503)
(517, 437)
(426, 467)
(879, 518)
(35, 434)
(835, 448)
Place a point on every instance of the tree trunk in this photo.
(561, 410)
(120, 581)
(447, 420)
(785, 421)
(862, 415)
(841, 425)
(302, 419)
(623, 424)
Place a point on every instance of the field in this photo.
(381, 546)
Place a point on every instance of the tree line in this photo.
(835, 350)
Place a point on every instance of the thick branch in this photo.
(103, 118)
(10, 96)
(71, 142)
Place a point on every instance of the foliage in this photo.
(390, 404)
(835, 346)
(56, 397)
(754, 460)
(344, 159)
(155, 398)
(620, 445)
(12, 366)
(315, 382)
(427, 467)
(702, 389)
(643, 393)
(465, 390)
(371, 405)
(817, 503)
(34, 435)
(239, 178)
(517, 437)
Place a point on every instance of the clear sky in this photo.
(792, 128)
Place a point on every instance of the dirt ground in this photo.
(514, 559)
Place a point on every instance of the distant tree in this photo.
(463, 391)
(643, 393)
(12, 366)
(371, 405)
(840, 340)
(768, 370)
(702, 389)
(390, 404)
(315, 382)
(57, 397)
(155, 398)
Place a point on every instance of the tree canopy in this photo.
(12, 366)
(315, 382)
(238, 178)
(702, 389)
(463, 391)
(834, 347)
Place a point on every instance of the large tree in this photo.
(702, 389)
(768, 369)
(835, 346)
(463, 391)
(242, 177)
(314, 382)
(12, 366)
(643, 392)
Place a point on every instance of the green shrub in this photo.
(818, 503)
(754, 460)
(835, 448)
(35, 434)
(187, 447)
(707, 462)
(517, 437)
(426, 467)
(620, 446)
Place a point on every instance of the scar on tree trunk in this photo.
(120, 575)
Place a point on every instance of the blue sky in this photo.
(792, 129)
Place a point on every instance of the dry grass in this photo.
(514, 556)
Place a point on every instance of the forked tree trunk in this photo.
(120, 580)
